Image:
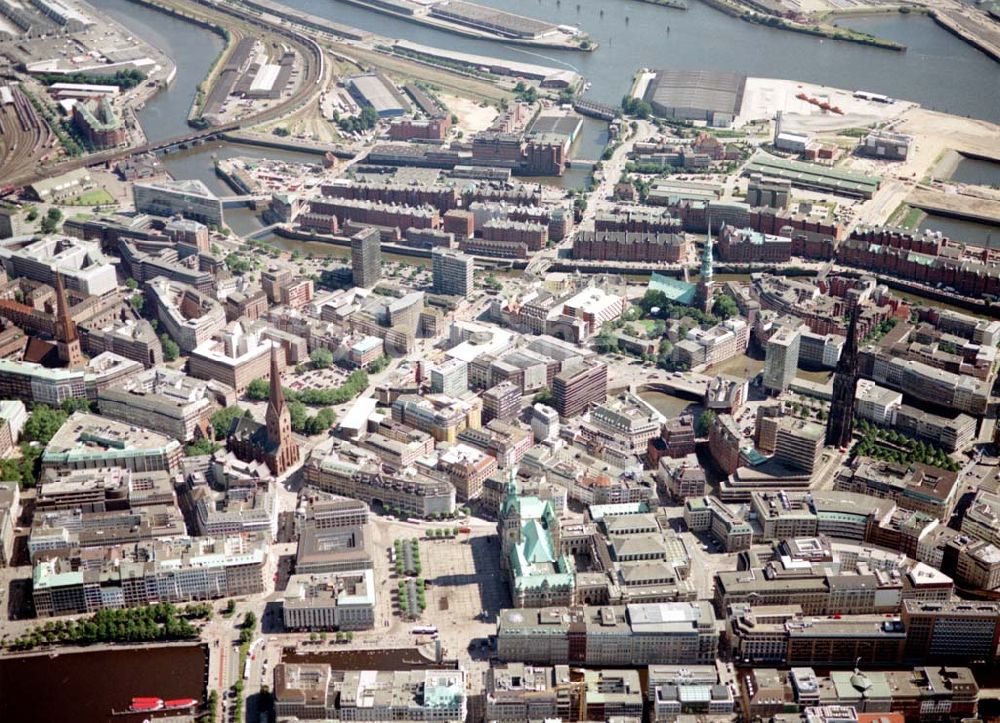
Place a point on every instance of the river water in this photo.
(938, 70)
(86, 687)
(193, 50)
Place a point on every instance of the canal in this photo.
(192, 48)
(85, 687)
(973, 232)
(977, 172)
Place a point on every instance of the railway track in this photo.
(27, 137)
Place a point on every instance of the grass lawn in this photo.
(96, 197)
(913, 217)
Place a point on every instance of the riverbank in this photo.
(674, 4)
(973, 35)
(229, 42)
(254, 139)
(822, 31)
(580, 43)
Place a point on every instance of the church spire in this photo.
(65, 328)
(706, 259)
(703, 292)
(277, 396)
(67, 340)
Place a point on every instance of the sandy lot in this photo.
(472, 117)
(764, 96)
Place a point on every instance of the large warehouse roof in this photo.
(709, 90)
(377, 93)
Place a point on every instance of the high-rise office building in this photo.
(845, 388)
(798, 443)
(366, 257)
(576, 388)
(450, 377)
(452, 272)
(502, 401)
(781, 358)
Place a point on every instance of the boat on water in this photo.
(143, 704)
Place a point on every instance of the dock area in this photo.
(957, 205)
(983, 35)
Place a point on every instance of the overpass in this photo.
(604, 112)
(249, 199)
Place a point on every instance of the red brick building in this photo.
(625, 246)
(272, 442)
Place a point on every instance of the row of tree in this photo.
(162, 621)
(894, 446)
(259, 390)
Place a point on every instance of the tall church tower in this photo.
(840, 426)
(703, 294)
(279, 423)
(67, 340)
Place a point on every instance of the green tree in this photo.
(43, 423)
(170, 349)
(379, 365)
(299, 415)
(258, 389)
(705, 420)
(237, 264)
(605, 340)
(76, 404)
(131, 283)
(138, 302)
(725, 307)
(201, 447)
(637, 107)
(321, 421)
(51, 221)
(223, 420)
(544, 396)
(321, 358)
(10, 470)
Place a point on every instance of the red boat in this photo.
(178, 703)
(146, 704)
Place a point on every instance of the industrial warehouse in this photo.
(696, 95)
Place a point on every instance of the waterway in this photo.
(938, 70)
(976, 172)
(85, 687)
(199, 163)
(192, 48)
(978, 234)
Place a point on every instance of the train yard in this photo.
(23, 158)
(25, 138)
